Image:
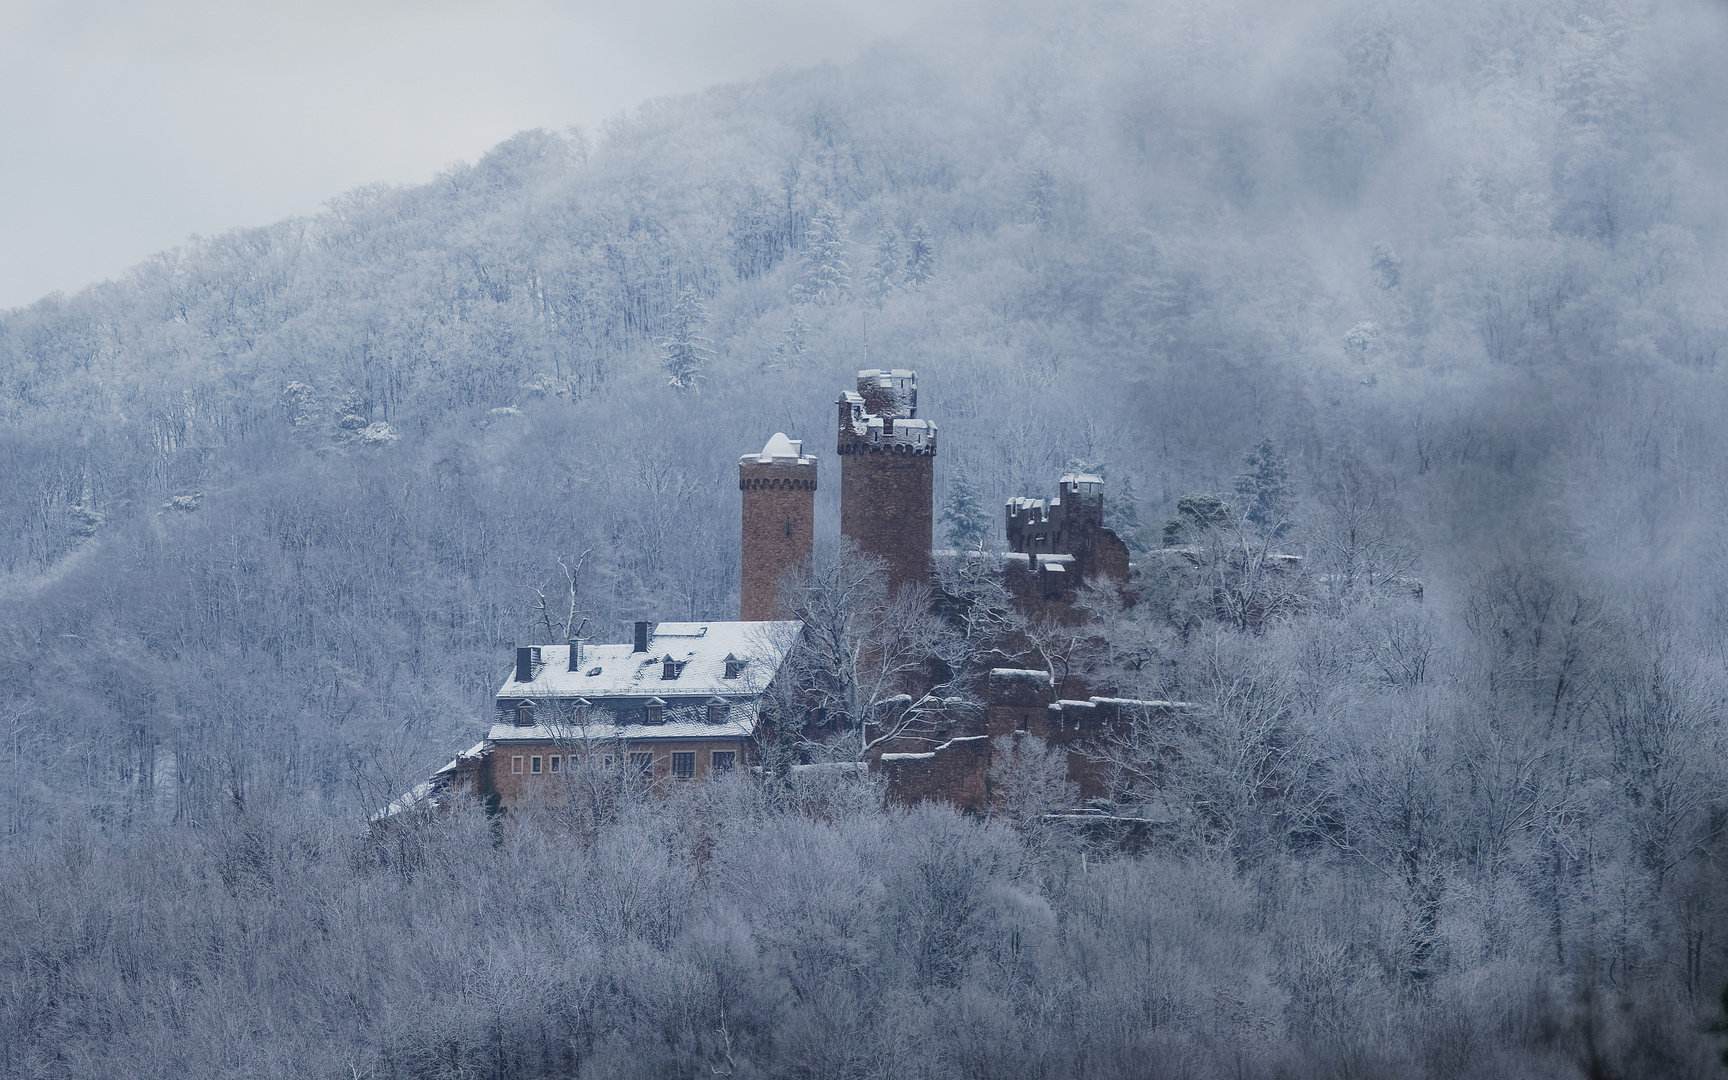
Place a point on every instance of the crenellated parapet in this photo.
(1070, 525)
(881, 416)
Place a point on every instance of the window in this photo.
(643, 764)
(655, 713)
(534, 764)
(552, 765)
(525, 714)
(515, 764)
(718, 711)
(683, 766)
(790, 530)
(724, 760)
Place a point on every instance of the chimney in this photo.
(525, 663)
(576, 644)
(642, 634)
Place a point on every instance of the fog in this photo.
(1424, 296)
(129, 129)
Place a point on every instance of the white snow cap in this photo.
(780, 448)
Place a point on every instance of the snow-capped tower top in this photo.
(781, 450)
(889, 392)
(882, 416)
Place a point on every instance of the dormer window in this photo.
(670, 668)
(734, 666)
(525, 714)
(579, 711)
(654, 712)
(718, 710)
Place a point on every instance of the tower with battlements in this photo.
(779, 496)
(887, 474)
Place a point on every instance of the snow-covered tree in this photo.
(684, 350)
(795, 337)
(920, 255)
(885, 267)
(827, 272)
(966, 520)
(1265, 487)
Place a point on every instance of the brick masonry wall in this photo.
(517, 789)
(779, 528)
(885, 508)
(957, 773)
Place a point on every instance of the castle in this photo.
(1056, 548)
(683, 700)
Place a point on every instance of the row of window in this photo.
(652, 713)
(683, 764)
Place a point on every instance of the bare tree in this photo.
(870, 669)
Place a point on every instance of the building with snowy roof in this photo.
(680, 701)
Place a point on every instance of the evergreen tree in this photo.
(967, 521)
(1122, 515)
(827, 273)
(920, 256)
(683, 351)
(795, 336)
(1265, 487)
(885, 267)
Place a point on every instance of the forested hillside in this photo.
(276, 504)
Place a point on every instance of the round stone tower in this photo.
(887, 474)
(779, 487)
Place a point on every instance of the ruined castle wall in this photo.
(956, 773)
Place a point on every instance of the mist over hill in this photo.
(277, 503)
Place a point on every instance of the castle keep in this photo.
(887, 474)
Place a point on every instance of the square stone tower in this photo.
(887, 475)
(779, 487)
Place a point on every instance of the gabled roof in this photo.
(700, 650)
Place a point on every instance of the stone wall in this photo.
(957, 773)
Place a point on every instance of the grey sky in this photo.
(127, 127)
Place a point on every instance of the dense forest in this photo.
(277, 503)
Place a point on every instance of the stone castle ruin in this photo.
(681, 701)
(1056, 548)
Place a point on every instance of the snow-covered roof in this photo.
(740, 723)
(1080, 478)
(889, 373)
(699, 652)
(782, 449)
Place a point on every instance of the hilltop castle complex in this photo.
(1056, 547)
(682, 700)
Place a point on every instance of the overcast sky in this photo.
(126, 127)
